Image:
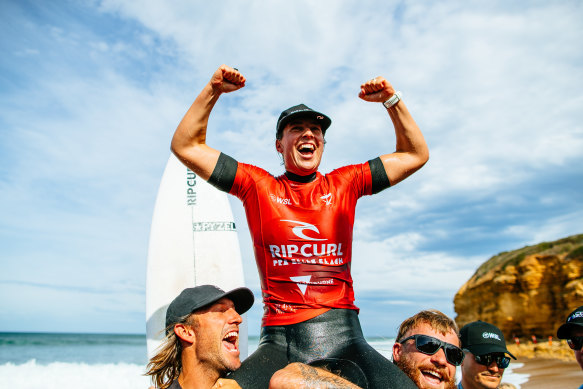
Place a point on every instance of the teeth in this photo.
(308, 147)
(433, 373)
(232, 334)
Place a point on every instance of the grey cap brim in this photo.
(242, 298)
(193, 299)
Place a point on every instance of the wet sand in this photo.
(550, 373)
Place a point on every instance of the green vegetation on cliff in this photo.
(525, 292)
(573, 245)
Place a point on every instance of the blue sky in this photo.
(91, 92)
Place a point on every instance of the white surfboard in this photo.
(193, 241)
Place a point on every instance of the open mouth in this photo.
(432, 377)
(307, 149)
(230, 341)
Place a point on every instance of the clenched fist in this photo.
(227, 79)
(376, 90)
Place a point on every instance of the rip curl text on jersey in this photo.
(301, 234)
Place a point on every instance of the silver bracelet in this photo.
(394, 99)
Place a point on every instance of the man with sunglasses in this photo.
(572, 330)
(486, 358)
(427, 350)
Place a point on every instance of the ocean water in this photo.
(88, 361)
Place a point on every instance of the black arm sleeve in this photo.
(380, 180)
(223, 176)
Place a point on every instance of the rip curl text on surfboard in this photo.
(190, 192)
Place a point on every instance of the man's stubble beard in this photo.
(408, 367)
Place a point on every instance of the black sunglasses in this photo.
(501, 360)
(575, 342)
(430, 345)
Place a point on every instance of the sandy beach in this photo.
(550, 373)
(548, 365)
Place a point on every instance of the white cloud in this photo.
(496, 89)
(396, 266)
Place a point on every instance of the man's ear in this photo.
(397, 350)
(185, 332)
(278, 146)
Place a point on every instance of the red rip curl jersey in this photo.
(302, 238)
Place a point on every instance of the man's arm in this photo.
(411, 151)
(189, 141)
(300, 376)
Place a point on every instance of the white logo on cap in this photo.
(300, 110)
(576, 315)
(490, 335)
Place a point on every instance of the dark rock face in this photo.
(525, 292)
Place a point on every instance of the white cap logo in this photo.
(491, 335)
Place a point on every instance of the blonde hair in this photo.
(436, 319)
(166, 365)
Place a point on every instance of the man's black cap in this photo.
(482, 338)
(193, 299)
(574, 321)
(298, 111)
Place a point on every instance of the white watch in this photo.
(394, 99)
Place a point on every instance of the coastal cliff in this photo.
(525, 292)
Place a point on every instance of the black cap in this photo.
(192, 299)
(574, 321)
(482, 338)
(301, 110)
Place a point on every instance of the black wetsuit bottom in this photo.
(334, 334)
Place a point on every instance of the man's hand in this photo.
(227, 79)
(225, 383)
(376, 90)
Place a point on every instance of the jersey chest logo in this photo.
(301, 227)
